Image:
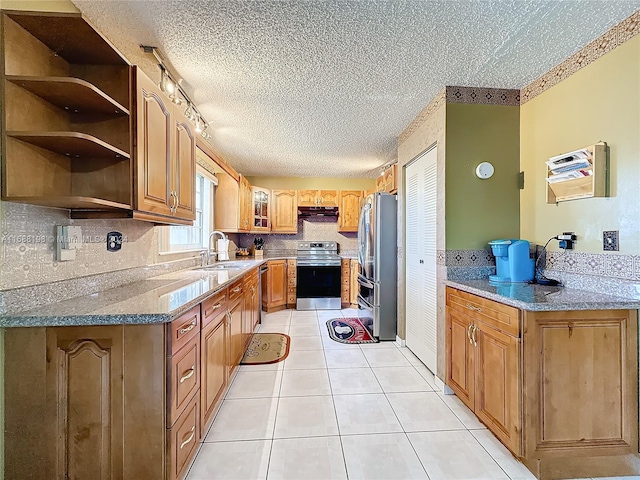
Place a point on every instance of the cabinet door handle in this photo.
(189, 374)
(193, 434)
(473, 335)
(236, 290)
(184, 330)
(469, 333)
(477, 309)
(228, 318)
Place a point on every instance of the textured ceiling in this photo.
(324, 88)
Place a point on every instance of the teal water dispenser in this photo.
(513, 263)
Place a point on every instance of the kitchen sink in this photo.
(228, 265)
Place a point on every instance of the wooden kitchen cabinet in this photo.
(275, 291)
(251, 308)
(215, 366)
(558, 388)
(123, 401)
(292, 283)
(390, 178)
(345, 279)
(166, 155)
(66, 115)
(354, 287)
(246, 205)
(284, 211)
(317, 198)
(261, 198)
(349, 210)
(483, 364)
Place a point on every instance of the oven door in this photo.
(318, 281)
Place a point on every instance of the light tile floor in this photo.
(336, 411)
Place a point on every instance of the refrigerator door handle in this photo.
(361, 235)
(362, 303)
(365, 282)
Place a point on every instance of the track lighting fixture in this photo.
(176, 94)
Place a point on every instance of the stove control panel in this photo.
(318, 246)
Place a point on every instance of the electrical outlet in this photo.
(610, 241)
(566, 240)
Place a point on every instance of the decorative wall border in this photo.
(483, 96)
(602, 45)
(626, 267)
(426, 112)
(614, 37)
(466, 258)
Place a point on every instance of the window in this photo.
(182, 238)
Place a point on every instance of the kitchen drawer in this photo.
(292, 271)
(346, 281)
(183, 329)
(291, 282)
(291, 299)
(213, 306)
(235, 290)
(345, 288)
(291, 290)
(183, 378)
(292, 264)
(345, 263)
(251, 277)
(183, 439)
(498, 315)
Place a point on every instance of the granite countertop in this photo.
(543, 298)
(155, 300)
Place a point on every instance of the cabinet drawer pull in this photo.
(477, 309)
(216, 306)
(236, 290)
(193, 434)
(186, 376)
(184, 330)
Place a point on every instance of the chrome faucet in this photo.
(209, 252)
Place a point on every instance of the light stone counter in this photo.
(543, 298)
(154, 300)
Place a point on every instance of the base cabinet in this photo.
(559, 389)
(275, 290)
(120, 402)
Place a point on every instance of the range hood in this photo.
(318, 211)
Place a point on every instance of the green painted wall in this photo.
(599, 102)
(309, 183)
(476, 210)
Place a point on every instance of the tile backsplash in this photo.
(314, 228)
(27, 246)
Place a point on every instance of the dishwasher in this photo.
(262, 288)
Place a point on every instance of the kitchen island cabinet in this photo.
(128, 400)
(559, 388)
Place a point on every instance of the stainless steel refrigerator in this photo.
(377, 254)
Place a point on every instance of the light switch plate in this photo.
(610, 241)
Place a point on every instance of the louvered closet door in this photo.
(420, 279)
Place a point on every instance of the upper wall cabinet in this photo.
(317, 198)
(165, 155)
(72, 106)
(233, 205)
(388, 180)
(66, 97)
(261, 201)
(349, 211)
(284, 211)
